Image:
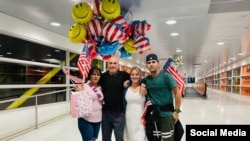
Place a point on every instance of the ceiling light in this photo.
(55, 24)
(240, 54)
(9, 53)
(220, 43)
(38, 70)
(174, 34)
(170, 22)
(205, 61)
(178, 50)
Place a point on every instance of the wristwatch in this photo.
(177, 111)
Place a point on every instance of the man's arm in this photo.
(178, 98)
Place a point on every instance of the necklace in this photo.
(98, 91)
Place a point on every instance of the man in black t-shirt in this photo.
(113, 115)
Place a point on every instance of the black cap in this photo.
(152, 57)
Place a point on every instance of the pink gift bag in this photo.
(81, 102)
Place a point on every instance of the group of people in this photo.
(124, 97)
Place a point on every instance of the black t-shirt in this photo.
(113, 90)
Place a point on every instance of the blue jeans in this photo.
(88, 130)
(113, 121)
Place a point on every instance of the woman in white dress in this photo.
(134, 130)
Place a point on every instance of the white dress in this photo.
(134, 130)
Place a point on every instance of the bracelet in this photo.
(177, 111)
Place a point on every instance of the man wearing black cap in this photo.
(160, 88)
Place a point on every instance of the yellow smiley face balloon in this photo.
(81, 13)
(129, 46)
(110, 9)
(77, 33)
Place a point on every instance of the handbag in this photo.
(81, 102)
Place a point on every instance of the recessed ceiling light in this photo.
(220, 43)
(174, 34)
(57, 50)
(55, 24)
(178, 50)
(9, 53)
(170, 22)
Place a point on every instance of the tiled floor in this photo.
(218, 108)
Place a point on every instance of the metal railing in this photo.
(49, 111)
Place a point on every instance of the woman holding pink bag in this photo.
(89, 119)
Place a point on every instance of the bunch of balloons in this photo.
(177, 59)
(101, 26)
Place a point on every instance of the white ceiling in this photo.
(200, 24)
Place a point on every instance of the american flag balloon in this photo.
(140, 28)
(92, 52)
(95, 6)
(111, 32)
(125, 35)
(142, 45)
(124, 27)
(95, 27)
(121, 21)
